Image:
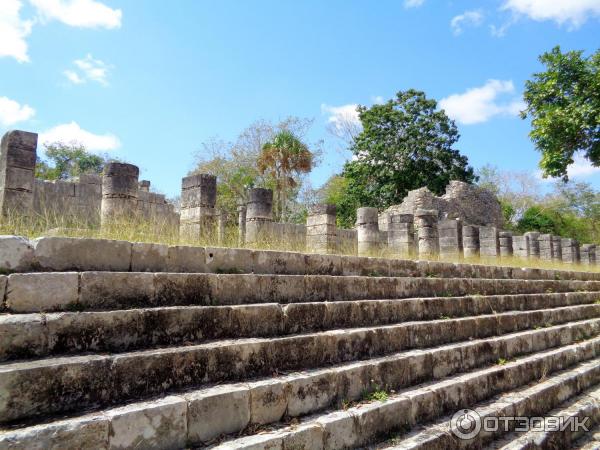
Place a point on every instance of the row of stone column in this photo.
(419, 235)
(423, 235)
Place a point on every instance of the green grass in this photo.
(140, 229)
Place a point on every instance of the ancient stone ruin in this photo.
(109, 344)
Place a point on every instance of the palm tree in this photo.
(282, 158)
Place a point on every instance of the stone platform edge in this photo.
(60, 254)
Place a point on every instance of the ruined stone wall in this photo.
(347, 241)
(471, 204)
(78, 199)
(288, 235)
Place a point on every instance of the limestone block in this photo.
(306, 436)
(505, 243)
(268, 401)
(186, 259)
(90, 431)
(216, 411)
(160, 424)
(521, 248)
(3, 282)
(19, 179)
(340, 430)
(60, 254)
(274, 262)
(147, 257)
(116, 290)
(545, 246)
(556, 248)
(308, 393)
(33, 292)
(16, 254)
(229, 260)
(23, 335)
(266, 441)
(260, 204)
(317, 264)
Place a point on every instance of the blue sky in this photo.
(149, 81)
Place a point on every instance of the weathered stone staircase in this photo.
(270, 350)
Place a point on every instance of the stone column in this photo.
(401, 235)
(144, 186)
(241, 210)
(556, 248)
(546, 247)
(489, 242)
(470, 241)
(367, 227)
(222, 222)
(505, 240)
(569, 251)
(198, 198)
(321, 233)
(450, 238)
(426, 221)
(521, 248)
(588, 254)
(17, 172)
(259, 215)
(119, 192)
(534, 243)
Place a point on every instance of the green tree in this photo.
(563, 103)
(68, 161)
(283, 158)
(538, 219)
(235, 164)
(335, 192)
(405, 144)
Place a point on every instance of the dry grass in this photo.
(141, 229)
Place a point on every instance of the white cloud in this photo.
(73, 77)
(413, 3)
(480, 104)
(12, 112)
(79, 13)
(72, 132)
(13, 31)
(573, 12)
(468, 18)
(378, 100)
(339, 116)
(89, 69)
(581, 168)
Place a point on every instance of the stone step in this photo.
(65, 254)
(589, 441)
(364, 424)
(230, 408)
(68, 291)
(585, 408)
(533, 400)
(63, 384)
(37, 335)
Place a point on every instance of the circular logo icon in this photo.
(465, 424)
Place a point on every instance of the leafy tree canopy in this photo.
(405, 144)
(236, 164)
(68, 161)
(563, 103)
